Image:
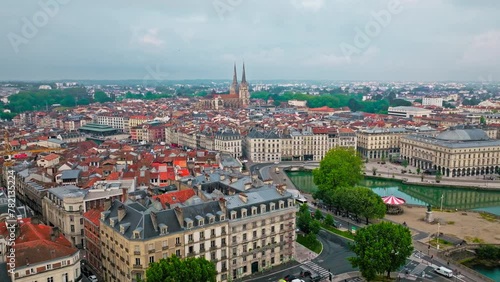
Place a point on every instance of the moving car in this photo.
(93, 278)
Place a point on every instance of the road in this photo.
(333, 258)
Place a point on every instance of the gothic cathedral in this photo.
(238, 97)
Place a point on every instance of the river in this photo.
(451, 198)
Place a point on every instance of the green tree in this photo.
(318, 215)
(381, 248)
(371, 205)
(329, 220)
(305, 221)
(173, 269)
(482, 120)
(101, 97)
(418, 170)
(341, 167)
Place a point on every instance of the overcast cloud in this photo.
(278, 39)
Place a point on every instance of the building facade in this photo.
(240, 233)
(408, 112)
(377, 143)
(228, 141)
(41, 253)
(454, 153)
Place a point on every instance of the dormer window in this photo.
(262, 208)
(243, 212)
(272, 206)
(112, 221)
(222, 217)
(254, 210)
(233, 215)
(189, 223)
(282, 204)
(211, 220)
(163, 229)
(201, 222)
(137, 235)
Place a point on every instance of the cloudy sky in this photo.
(278, 39)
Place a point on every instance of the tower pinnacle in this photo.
(243, 76)
(234, 86)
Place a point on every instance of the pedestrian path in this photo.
(315, 269)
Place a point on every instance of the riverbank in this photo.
(391, 171)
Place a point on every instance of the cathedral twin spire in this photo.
(234, 86)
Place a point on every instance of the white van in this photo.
(444, 271)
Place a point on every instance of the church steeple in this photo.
(243, 76)
(234, 85)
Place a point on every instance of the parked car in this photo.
(93, 278)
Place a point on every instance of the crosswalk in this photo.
(418, 270)
(315, 269)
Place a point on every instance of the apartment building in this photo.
(454, 153)
(132, 236)
(63, 207)
(375, 143)
(228, 141)
(117, 121)
(309, 144)
(137, 120)
(262, 146)
(262, 230)
(432, 101)
(91, 223)
(148, 132)
(41, 252)
(240, 233)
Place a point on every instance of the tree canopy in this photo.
(305, 221)
(381, 248)
(101, 97)
(174, 269)
(40, 99)
(334, 99)
(341, 167)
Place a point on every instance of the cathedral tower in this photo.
(244, 92)
(234, 86)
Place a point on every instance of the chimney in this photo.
(243, 197)
(107, 204)
(121, 213)
(222, 205)
(55, 233)
(179, 215)
(124, 195)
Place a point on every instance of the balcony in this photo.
(224, 269)
(137, 266)
(164, 248)
(151, 251)
(213, 248)
(137, 252)
(191, 254)
(178, 244)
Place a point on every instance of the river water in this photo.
(451, 198)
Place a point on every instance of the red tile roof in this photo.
(93, 216)
(175, 197)
(34, 244)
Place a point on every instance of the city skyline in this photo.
(386, 40)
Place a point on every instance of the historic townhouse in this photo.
(456, 152)
(262, 230)
(240, 232)
(42, 253)
(377, 143)
(228, 141)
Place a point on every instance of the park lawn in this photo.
(442, 242)
(315, 246)
(345, 234)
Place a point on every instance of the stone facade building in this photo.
(454, 153)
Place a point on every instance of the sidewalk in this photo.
(303, 254)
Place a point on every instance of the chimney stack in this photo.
(121, 213)
(124, 195)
